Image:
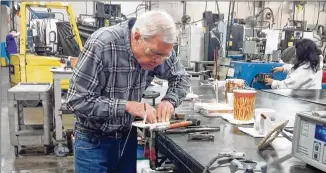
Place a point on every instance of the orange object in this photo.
(244, 103)
(180, 124)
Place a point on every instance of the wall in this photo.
(4, 22)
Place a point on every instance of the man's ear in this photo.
(137, 36)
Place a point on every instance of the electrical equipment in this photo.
(289, 37)
(292, 33)
(249, 47)
(254, 48)
(309, 138)
(254, 73)
(107, 14)
(237, 36)
(210, 21)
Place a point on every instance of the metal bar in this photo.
(23, 29)
(74, 28)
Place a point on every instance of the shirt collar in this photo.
(130, 24)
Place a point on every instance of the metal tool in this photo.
(193, 122)
(237, 163)
(145, 114)
(248, 166)
(192, 130)
(201, 136)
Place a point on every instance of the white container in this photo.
(261, 125)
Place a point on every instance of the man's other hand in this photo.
(137, 109)
(164, 111)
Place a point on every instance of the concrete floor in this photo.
(32, 160)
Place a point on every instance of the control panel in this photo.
(309, 138)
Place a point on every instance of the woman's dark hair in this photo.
(307, 52)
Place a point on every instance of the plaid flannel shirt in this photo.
(107, 75)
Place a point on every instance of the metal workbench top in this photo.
(190, 155)
(314, 96)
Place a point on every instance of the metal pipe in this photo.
(184, 14)
(228, 31)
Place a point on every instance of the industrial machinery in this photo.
(291, 36)
(213, 34)
(308, 140)
(104, 15)
(34, 66)
(254, 73)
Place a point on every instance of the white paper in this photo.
(272, 42)
(230, 119)
(140, 124)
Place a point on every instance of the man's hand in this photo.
(277, 69)
(164, 111)
(137, 109)
(268, 81)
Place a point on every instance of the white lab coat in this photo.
(301, 78)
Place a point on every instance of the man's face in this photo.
(13, 32)
(151, 52)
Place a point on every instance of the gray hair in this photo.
(157, 22)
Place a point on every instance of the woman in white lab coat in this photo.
(305, 72)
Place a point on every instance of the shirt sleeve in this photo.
(178, 79)
(294, 80)
(287, 68)
(88, 80)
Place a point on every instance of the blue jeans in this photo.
(95, 153)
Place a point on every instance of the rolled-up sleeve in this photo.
(88, 79)
(178, 79)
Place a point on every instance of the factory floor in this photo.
(32, 160)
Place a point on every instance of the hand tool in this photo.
(191, 130)
(201, 136)
(179, 116)
(188, 123)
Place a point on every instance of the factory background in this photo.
(282, 10)
(225, 47)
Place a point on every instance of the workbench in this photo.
(313, 96)
(193, 156)
(58, 75)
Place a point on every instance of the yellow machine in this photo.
(27, 67)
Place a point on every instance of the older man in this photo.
(107, 84)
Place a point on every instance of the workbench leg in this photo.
(57, 112)
(152, 150)
(46, 125)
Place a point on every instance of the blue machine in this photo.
(7, 3)
(236, 57)
(254, 73)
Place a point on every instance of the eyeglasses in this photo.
(156, 57)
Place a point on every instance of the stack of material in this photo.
(66, 41)
(213, 109)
